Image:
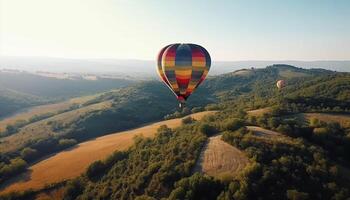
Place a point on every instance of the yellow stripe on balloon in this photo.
(183, 73)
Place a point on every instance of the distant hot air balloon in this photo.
(281, 84)
(183, 67)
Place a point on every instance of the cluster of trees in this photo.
(150, 168)
(13, 163)
(334, 138)
(285, 168)
(11, 167)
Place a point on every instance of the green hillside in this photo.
(12, 101)
(19, 90)
(311, 153)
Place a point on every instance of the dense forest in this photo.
(304, 163)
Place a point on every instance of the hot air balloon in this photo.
(183, 67)
(280, 84)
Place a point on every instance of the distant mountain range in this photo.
(145, 68)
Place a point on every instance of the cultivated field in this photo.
(71, 163)
(220, 159)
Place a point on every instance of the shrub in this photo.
(95, 169)
(187, 120)
(232, 124)
(73, 189)
(64, 143)
(197, 109)
(296, 195)
(207, 129)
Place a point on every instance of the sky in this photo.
(137, 29)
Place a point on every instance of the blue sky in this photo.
(126, 29)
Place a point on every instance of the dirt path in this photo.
(220, 159)
(71, 163)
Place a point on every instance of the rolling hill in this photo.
(72, 162)
(156, 168)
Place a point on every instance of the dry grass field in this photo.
(268, 136)
(44, 109)
(243, 72)
(259, 112)
(342, 119)
(42, 129)
(291, 74)
(263, 132)
(220, 159)
(71, 163)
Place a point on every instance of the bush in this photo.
(296, 195)
(187, 120)
(212, 107)
(233, 124)
(65, 143)
(73, 189)
(95, 169)
(197, 109)
(207, 129)
(29, 154)
(196, 187)
(284, 128)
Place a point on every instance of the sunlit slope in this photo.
(42, 110)
(220, 159)
(44, 128)
(73, 162)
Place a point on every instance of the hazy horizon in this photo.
(146, 68)
(230, 30)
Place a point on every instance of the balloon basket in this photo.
(182, 105)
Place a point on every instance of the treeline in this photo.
(333, 137)
(17, 162)
(285, 169)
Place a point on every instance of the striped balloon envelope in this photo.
(183, 67)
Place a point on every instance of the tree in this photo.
(207, 129)
(233, 124)
(95, 169)
(187, 120)
(73, 189)
(64, 143)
